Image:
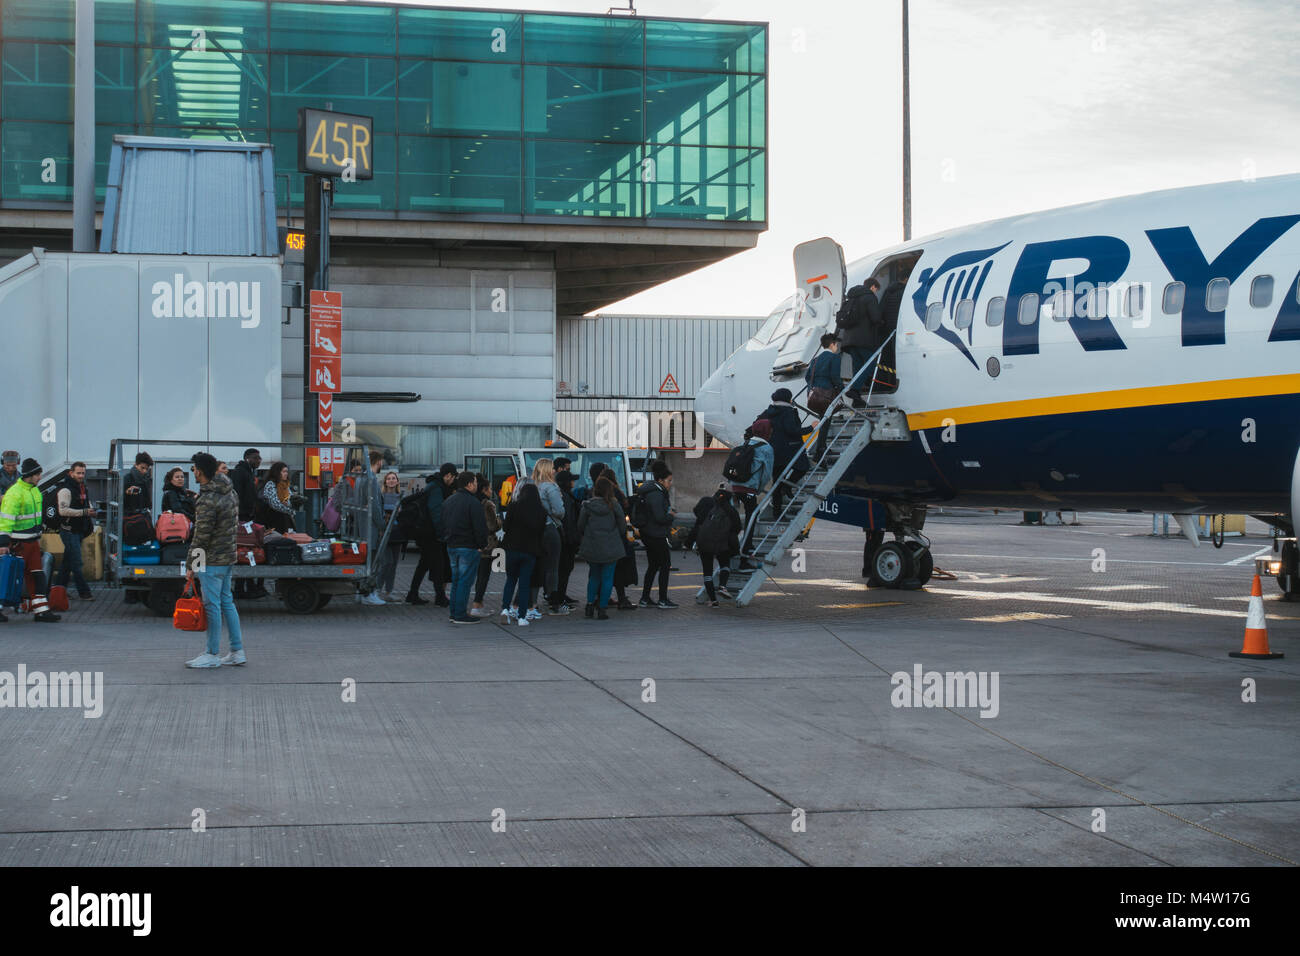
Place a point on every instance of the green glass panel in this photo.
(581, 179)
(333, 28)
(202, 24)
(690, 45)
(583, 102)
(37, 20)
(456, 174)
(364, 195)
(37, 81)
(26, 152)
(362, 85)
(458, 98)
(706, 109)
(459, 34)
(115, 22)
(694, 182)
(115, 85)
(609, 41)
(217, 90)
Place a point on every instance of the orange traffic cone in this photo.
(1256, 642)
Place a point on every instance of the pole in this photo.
(907, 136)
(83, 131)
(315, 275)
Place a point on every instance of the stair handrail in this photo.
(825, 420)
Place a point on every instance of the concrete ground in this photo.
(1115, 694)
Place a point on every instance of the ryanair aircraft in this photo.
(1136, 354)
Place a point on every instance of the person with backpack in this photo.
(433, 552)
(570, 537)
(76, 522)
(547, 573)
(824, 383)
(20, 533)
(602, 527)
(493, 521)
(625, 572)
(749, 468)
(717, 530)
(859, 323)
(787, 443)
(466, 532)
(525, 524)
(652, 514)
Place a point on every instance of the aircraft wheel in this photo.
(892, 564)
(873, 542)
(924, 562)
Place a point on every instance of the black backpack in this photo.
(714, 534)
(51, 520)
(413, 520)
(569, 530)
(740, 464)
(137, 528)
(640, 507)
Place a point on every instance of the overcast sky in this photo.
(1017, 105)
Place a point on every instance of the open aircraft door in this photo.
(820, 277)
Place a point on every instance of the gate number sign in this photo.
(330, 144)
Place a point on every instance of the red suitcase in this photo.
(172, 528)
(299, 537)
(249, 534)
(348, 552)
(252, 556)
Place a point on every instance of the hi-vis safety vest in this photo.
(20, 512)
(507, 490)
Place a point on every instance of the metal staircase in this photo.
(848, 431)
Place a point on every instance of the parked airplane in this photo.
(1138, 354)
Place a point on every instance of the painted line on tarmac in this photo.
(1137, 608)
(1248, 557)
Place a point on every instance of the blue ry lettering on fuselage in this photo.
(1107, 258)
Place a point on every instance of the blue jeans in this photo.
(519, 570)
(72, 562)
(218, 603)
(464, 571)
(600, 581)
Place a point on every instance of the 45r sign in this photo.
(335, 144)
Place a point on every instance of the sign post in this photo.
(325, 355)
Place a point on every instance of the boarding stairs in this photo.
(848, 432)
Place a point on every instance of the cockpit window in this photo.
(768, 330)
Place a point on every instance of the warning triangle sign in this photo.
(669, 386)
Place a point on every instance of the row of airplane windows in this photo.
(1129, 298)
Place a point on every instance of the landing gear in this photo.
(904, 563)
(1288, 579)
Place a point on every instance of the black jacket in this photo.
(463, 522)
(703, 508)
(245, 483)
(525, 522)
(660, 524)
(859, 321)
(787, 434)
(136, 501)
(179, 500)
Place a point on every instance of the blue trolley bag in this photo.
(12, 571)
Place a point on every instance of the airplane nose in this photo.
(709, 408)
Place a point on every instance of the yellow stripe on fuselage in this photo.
(1106, 401)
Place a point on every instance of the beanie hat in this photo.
(30, 467)
(782, 395)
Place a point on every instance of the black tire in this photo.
(923, 562)
(892, 564)
(874, 540)
(300, 597)
(162, 599)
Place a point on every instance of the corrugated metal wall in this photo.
(629, 356)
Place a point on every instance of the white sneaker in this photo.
(479, 612)
(374, 600)
(523, 621)
(233, 658)
(205, 660)
(533, 614)
(509, 614)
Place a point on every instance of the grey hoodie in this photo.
(601, 529)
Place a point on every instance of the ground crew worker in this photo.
(20, 532)
(8, 471)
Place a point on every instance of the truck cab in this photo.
(500, 464)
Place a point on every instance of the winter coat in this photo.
(729, 545)
(524, 525)
(215, 516)
(492, 520)
(141, 500)
(179, 500)
(787, 436)
(824, 372)
(603, 532)
(762, 471)
(463, 522)
(860, 320)
(660, 524)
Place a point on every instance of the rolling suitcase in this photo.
(282, 551)
(173, 528)
(348, 552)
(150, 553)
(12, 570)
(174, 553)
(249, 556)
(316, 552)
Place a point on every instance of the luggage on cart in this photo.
(316, 552)
(250, 534)
(249, 556)
(348, 552)
(298, 536)
(174, 553)
(282, 551)
(150, 553)
(172, 528)
(137, 529)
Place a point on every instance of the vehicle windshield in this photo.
(583, 459)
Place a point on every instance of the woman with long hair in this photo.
(524, 526)
(176, 497)
(276, 495)
(603, 530)
(548, 572)
(391, 489)
(625, 573)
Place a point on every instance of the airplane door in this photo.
(820, 277)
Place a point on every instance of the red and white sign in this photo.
(325, 343)
(669, 386)
(326, 418)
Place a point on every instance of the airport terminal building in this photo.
(569, 160)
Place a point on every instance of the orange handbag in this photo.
(189, 614)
